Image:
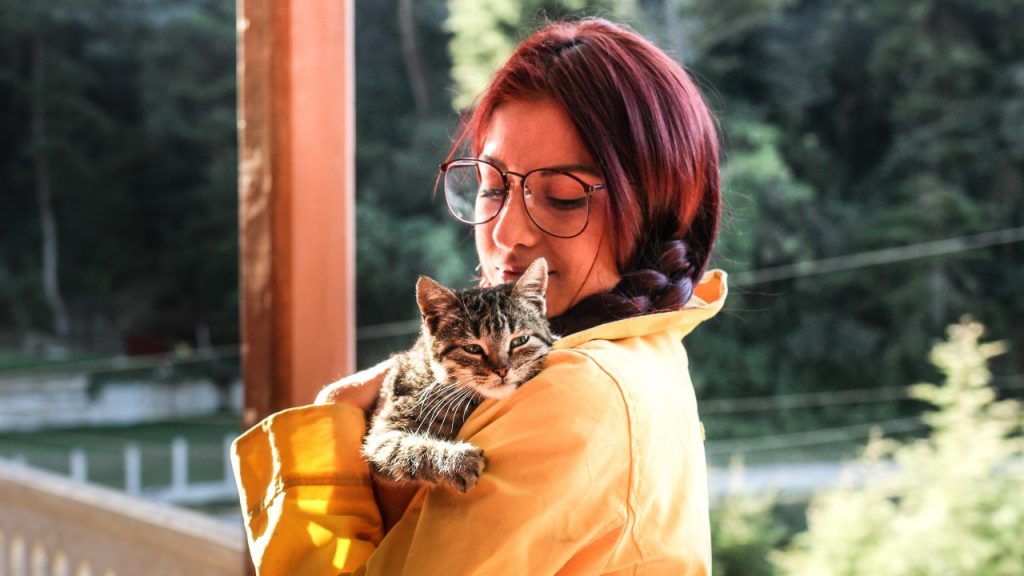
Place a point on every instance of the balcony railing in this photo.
(53, 526)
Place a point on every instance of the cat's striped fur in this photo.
(474, 344)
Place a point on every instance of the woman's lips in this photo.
(511, 275)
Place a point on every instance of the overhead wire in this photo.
(945, 246)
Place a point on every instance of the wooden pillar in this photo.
(297, 199)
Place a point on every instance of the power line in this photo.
(813, 437)
(797, 270)
(836, 397)
(124, 363)
(878, 257)
(829, 398)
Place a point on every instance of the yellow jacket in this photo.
(596, 466)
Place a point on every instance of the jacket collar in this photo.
(708, 298)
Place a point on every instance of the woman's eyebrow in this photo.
(584, 168)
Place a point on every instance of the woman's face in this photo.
(524, 135)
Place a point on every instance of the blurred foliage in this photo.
(141, 148)
(948, 504)
(484, 33)
(850, 127)
(744, 532)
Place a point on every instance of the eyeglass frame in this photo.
(588, 189)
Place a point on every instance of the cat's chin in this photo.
(499, 392)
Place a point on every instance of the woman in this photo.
(596, 466)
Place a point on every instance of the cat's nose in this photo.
(501, 371)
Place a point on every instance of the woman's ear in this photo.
(533, 284)
(434, 301)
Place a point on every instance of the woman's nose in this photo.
(513, 226)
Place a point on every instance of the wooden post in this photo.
(297, 199)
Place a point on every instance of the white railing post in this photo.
(79, 465)
(132, 468)
(179, 465)
(18, 557)
(60, 565)
(229, 472)
(40, 560)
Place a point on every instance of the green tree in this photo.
(851, 127)
(485, 33)
(947, 504)
(138, 106)
(403, 123)
(744, 532)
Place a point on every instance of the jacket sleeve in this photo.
(553, 497)
(307, 502)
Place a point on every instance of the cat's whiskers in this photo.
(465, 410)
(453, 407)
(428, 401)
(443, 403)
(443, 411)
(465, 392)
(425, 396)
(431, 409)
(467, 398)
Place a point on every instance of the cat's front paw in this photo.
(461, 466)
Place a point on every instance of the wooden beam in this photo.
(297, 199)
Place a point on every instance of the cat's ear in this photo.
(533, 284)
(434, 301)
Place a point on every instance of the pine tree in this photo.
(947, 504)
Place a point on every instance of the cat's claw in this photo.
(463, 466)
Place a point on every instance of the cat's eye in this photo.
(519, 341)
(473, 349)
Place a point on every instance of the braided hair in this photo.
(643, 120)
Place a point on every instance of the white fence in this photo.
(54, 526)
(180, 489)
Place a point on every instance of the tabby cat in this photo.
(474, 344)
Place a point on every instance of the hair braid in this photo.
(662, 281)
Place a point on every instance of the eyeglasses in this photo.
(556, 201)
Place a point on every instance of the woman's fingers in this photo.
(360, 389)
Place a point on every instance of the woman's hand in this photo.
(360, 389)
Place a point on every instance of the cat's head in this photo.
(489, 339)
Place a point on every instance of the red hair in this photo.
(643, 120)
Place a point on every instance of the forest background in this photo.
(873, 179)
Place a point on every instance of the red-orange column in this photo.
(297, 199)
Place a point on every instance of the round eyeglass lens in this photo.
(474, 191)
(558, 203)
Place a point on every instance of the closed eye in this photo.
(495, 193)
(517, 342)
(568, 205)
(473, 349)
